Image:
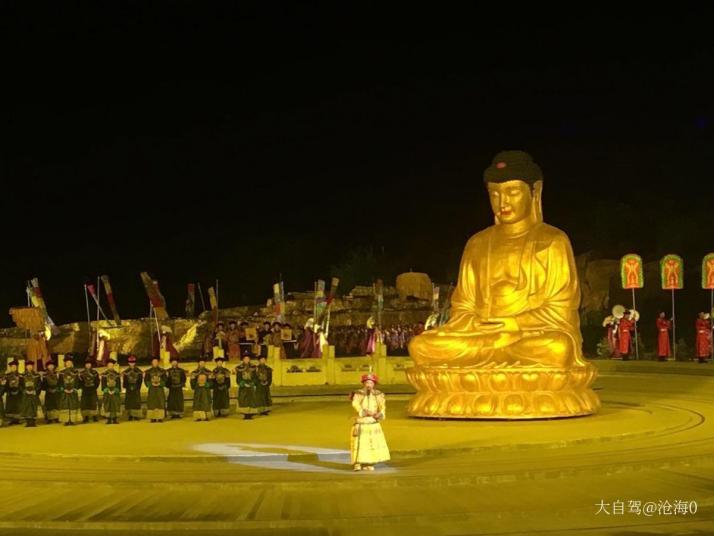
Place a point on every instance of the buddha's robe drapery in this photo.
(543, 299)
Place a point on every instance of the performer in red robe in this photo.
(704, 337)
(626, 327)
(663, 327)
(233, 336)
(611, 323)
(307, 341)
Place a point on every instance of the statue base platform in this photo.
(503, 393)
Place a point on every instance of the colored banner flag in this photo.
(279, 302)
(320, 302)
(110, 299)
(334, 283)
(708, 271)
(631, 273)
(93, 293)
(155, 297)
(212, 299)
(672, 272)
(378, 290)
(191, 301)
(39, 301)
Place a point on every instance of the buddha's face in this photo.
(510, 201)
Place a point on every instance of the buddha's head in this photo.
(515, 185)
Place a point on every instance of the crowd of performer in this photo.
(72, 395)
(307, 341)
(621, 331)
(356, 340)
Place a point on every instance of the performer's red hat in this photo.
(110, 360)
(219, 358)
(13, 362)
(370, 376)
(30, 362)
(132, 359)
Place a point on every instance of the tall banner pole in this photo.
(158, 329)
(200, 293)
(151, 327)
(98, 295)
(632, 277)
(637, 343)
(89, 316)
(671, 268)
(708, 283)
(674, 330)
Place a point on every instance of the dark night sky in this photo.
(204, 142)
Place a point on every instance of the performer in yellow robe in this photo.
(368, 445)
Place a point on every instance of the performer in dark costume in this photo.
(221, 383)
(176, 383)
(31, 384)
(111, 387)
(89, 383)
(132, 379)
(51, 387)
(246, 378)
(263, 381)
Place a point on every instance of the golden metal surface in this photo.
(512, 347)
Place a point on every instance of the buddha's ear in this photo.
(537, 207)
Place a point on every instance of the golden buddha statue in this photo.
(512, 347)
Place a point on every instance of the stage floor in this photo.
(288, 473)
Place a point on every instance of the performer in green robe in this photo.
(202, 399)
(132, 379)
(176, 381)
(155, 381)
(111, 387)
(89, 383)
(13, 394)
(31, 383)
(69, 382)
(246, 377)
(264, 379)
(51, 387)
(221, 383)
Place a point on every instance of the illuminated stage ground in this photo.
(287, 473)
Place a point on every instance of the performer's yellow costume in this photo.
(368, 445)
(512, 347)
